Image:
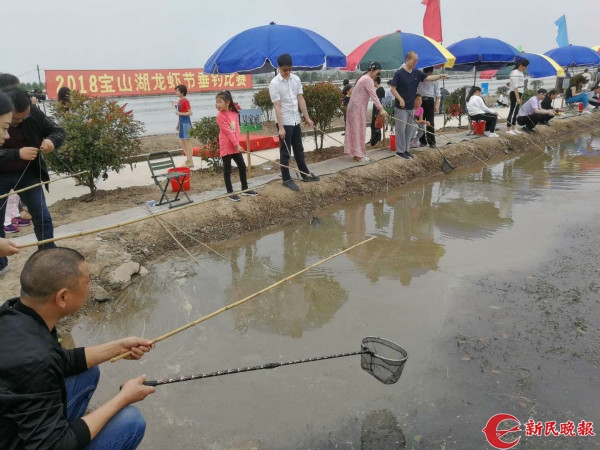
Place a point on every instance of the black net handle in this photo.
(271, 365)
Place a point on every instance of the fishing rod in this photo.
(381, 358)
(244, 300)
(446, 167)
(40, 184)
(363, 154)
(129, 222)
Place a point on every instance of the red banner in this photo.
(128, 83)
(432, 20)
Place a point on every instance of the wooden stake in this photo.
(244, 300)
(249, 152)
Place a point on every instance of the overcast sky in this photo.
(160, 34)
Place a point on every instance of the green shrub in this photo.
(323, 102)
(262, 100)
(100, 136)
(206, 131)
(455, 105)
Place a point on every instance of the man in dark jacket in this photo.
(45, 389)
(22, 163)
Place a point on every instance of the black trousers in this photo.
(532, 120)
(292, 143)
(429, 114)
(514, 109)
(490, 121)
(241, 165)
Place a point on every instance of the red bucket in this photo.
(393, 142)
(478, 127)
(175, 181)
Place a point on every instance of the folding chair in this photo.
(572, 108)
(160, 163)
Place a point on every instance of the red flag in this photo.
(432, 20)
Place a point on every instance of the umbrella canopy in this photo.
(500, 74)
(542, 66)
(482, 53)
(256, 51)
(539, 66)
(390, 51)
(574, 55)
(487, 74)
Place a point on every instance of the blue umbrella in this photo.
(541, 66)
(574, 55)
(256, 51)
(482, 54)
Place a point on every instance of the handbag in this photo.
(379, 121)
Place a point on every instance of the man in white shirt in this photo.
(517, 86)
(588, 80)
(286, 94)
(532, 113)
(430, 93)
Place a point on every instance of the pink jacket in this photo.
(229, 132)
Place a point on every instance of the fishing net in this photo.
(383, 359)
(447, 167)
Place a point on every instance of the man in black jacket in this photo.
(22, 164)
(44, 389)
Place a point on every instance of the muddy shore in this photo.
(219, 220)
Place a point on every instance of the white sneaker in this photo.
(517, 131)
(493, 135)
(511, 132)
(586, 112)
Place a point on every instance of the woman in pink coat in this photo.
(356, 115)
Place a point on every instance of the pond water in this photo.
(437, 277)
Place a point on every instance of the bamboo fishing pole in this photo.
(281, 165)
(129, 222)
(244, 300)
(40, 184)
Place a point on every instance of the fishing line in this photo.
(244, 300)
(364, 154)
(314, 219)
(129, 222)
(173, 236)
(193, 238)
(435, 145)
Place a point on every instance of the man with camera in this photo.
(22, 163)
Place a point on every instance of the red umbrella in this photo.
(487, 74)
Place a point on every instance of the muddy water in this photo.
(488, 279)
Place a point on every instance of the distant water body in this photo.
(158, 115)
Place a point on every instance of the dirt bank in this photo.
(275, 206)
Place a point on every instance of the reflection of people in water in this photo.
(410, 252)
(303, 303)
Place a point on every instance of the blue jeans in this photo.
(124, 431)
(34, 200)
(583, 98)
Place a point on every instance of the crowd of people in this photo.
(45, 390)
